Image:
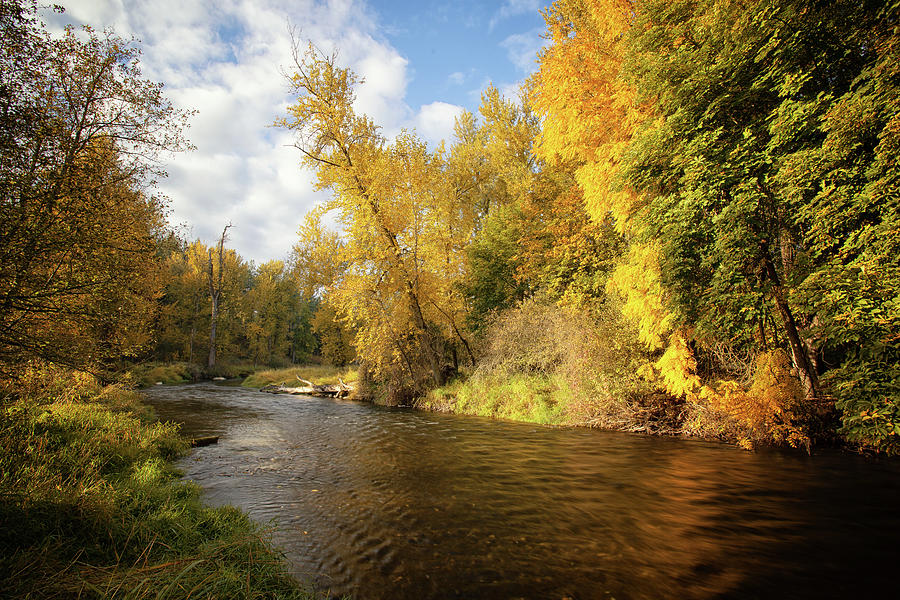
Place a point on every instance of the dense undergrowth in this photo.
(545, 364)
(91, 507)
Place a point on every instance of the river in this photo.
(395, 503)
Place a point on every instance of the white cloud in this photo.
(512, 8)
(381, 95)
(457, 78)
(522, 49)
(225, 59)
(435, 122)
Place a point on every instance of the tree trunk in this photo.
(428, 341)
(213, 320)
(215, 294)
(805, 369)
(194, 326)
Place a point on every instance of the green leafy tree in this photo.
(770, 191)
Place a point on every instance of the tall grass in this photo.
(535, 398)
(91, 507)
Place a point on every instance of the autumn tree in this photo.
(403, 223)
(741, 189)
(532, 230)
(80, 135)
(184, 317)
(269, 306)
(589, 114)
(181, 314)
(837, 173)
(319, 262)
(616, 74)
(184, 325)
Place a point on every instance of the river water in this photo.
(394, 503)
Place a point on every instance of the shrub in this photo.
(868, 392)
(544, 363)
(771, 410)
(149, 374)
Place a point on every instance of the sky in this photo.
(423, 63)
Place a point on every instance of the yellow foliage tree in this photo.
(589, 114)
(404, 223)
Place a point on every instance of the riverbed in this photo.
(394, 503)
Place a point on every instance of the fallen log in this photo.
(204, 441)
(334, 390)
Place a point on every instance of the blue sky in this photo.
(423, 62)
(455, 48)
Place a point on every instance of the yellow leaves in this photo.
(637, 280)
(603, 197)
(676, 370)
(771, 409)
(318, 255)
(392, 272)
(579, 92)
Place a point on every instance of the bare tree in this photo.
(215, 278)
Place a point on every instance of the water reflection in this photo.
(398, 504)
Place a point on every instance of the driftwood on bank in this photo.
(204, 441)
(336, 390)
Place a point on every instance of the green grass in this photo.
(91, 507)
(318, 374)
(148, 374)
(232, 370)
(532, 398)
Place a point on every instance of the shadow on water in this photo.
(384, 503)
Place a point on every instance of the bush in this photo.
(868, 392)
(770, 408)
(231, 370)
(543, 363)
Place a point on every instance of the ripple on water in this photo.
(387, 503)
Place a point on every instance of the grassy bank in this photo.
(533, 399)
(553, 399)
(148, 374)
(318, 374)
(154, 373)
(545, 364)
(91, 507)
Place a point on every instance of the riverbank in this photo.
(617, 402)
(163, 373)
(319, 374)
(551, 399)
(93, 508)
(614, 401)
